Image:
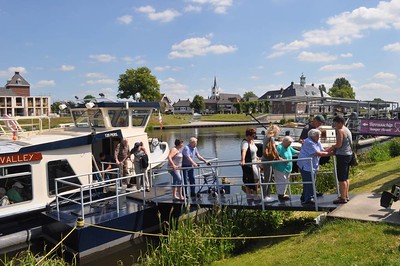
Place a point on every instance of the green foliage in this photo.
(249, 94)
(139, 81)
(394, 147)
(192, 241)
(342, 88)
(88, 97)
(26, 257)
(198, 104)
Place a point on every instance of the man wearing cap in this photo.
(14, 193)
(317, 121)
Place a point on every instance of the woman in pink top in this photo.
(174, 164)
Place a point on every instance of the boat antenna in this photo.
(258, 121)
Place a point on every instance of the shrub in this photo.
(394, 147)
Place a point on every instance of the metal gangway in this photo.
(213, 188)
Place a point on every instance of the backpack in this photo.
(144, 161)
(270, 152)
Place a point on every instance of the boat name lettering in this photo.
(20, 158)
(107, 135)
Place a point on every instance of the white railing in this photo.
(90, 188)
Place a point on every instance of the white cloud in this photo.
(198, 47)
(371, 91)
(127, 19)
(103, 57)
(219, 6)
(138, 60)
(165, 16)
(67, 68)
(347, 26)
(393, 47)
(94, 75)
(166, 68)
(316, 57)
(101, 81)
(341, 67)
(346, 55)
(385, 76)
(11, 71)
(192, 8)
(146, 9)
(173, 88)
(254, 77)
(279, 73)
(45, 83)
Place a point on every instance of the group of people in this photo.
(122, 155)
(13, 195)
(311, 148)
(181, 159)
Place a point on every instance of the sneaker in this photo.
(309, 202)
(283, 197)
(268, 199)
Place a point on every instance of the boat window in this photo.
(139, 117)
(88, 118)
(118, 118)
(57, 169)
(16, 182)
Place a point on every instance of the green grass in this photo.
(339, 242)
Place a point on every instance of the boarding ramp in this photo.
(215, 188)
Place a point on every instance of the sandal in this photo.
(340, 200)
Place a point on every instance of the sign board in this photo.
(21, 158)
(381, 127)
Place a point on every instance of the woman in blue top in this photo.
(282, 170)
(312, 148)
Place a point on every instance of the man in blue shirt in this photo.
(189, 153)
(312, 148)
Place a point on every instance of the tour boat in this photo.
(33, 158)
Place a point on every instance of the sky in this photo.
(78, 48)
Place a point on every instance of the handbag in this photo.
(354, 159)
(270, 152)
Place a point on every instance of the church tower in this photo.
(215, 90)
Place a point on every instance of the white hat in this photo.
(18, 185)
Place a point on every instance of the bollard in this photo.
(80, 222)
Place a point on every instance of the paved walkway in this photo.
(366, 207)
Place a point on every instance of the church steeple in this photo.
(215, 90)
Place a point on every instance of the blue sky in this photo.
(68, 48)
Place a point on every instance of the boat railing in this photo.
(219, 181)
(20, 126)
(104, 181)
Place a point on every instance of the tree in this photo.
(88, 97)
(198, 104)
(249, 94)
(341, 88)
(139, 81)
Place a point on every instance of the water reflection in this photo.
(215, 142)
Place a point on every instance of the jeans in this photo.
(308, 191)
(188, 178)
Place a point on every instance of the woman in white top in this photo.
(251, 173)
(174, 163)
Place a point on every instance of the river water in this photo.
(213, 142)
